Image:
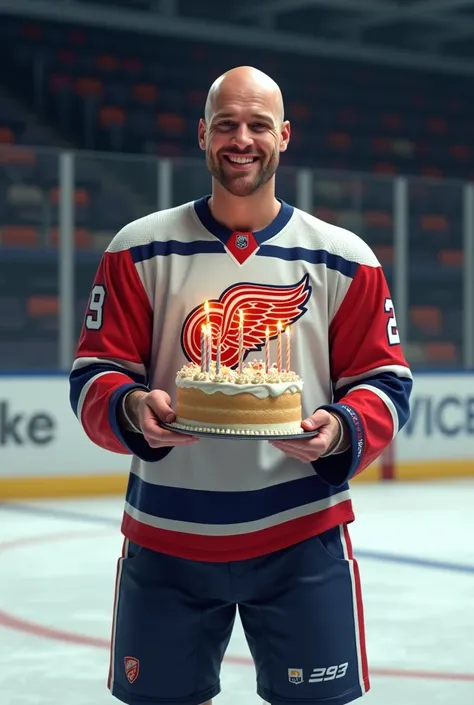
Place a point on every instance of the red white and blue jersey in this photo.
(223, 500)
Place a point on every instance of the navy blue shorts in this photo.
(300, 607)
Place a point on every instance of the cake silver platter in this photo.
(240, 436)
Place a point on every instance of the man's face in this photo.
(243, 138)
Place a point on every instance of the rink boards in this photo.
(45, 453)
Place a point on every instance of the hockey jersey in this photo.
(224, 500)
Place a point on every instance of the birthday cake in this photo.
(253, 400)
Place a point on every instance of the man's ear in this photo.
(202, 130)
(285, 136)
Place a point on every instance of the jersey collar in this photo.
(204, 214)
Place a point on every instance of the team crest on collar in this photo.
(241, 241)
(263, 305)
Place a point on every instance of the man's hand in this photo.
(146, 410)
(310, 449)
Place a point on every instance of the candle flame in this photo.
(241, 313)
(206, 307)
(267, 331)
(279, 326)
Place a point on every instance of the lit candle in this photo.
(208, 347)
(288, 348)
(279, 346)
(241, 341)
(218, 353)
(206, 311)
(267, 350)
(203, 347)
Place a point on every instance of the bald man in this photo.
(215, 525)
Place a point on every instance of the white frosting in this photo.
(261, 390)
(253, 380)
(290, 429)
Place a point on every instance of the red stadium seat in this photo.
(451, 258)
(42, 306)
(83, 239)
(111, 115)
(6, 136)
(384, 254)
(17, 155)
(437, 126)
(461, 152)
(441, 352)
(81, 197)
(339, 140)
(59, 82)
(434, 223)
(132, 64)
(381, 144)
(378, 219)
(428, 319)
(89, 87)
(299, 111)
(171, 123)
(106, 62)
(19, 236)
(145, 92)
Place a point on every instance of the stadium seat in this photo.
(428, 319)
(41, 306)
(6, 135)
(19, 236)
(145, 93)
(451, 258)
(442, 353)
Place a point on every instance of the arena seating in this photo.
(117, 92)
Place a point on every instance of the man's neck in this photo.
(244, 214)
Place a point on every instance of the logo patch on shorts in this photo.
(132, 668)
(295, 675)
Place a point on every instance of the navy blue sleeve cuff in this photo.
(135, 442)
(336, 470)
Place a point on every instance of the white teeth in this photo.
(241, 160)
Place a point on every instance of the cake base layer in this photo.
(243, 412)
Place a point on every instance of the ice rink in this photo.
(414, 543)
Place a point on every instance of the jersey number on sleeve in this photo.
(94, 318)
(392, 330)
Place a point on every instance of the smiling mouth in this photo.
(239, 161)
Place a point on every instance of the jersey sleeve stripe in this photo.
(134, 442)
(83, 378)
(126, 366)
(387, 401)
(398, 370)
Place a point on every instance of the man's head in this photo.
(243, 130)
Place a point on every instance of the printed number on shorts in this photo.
(328, 674)
(94, 318)
(392, 330)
